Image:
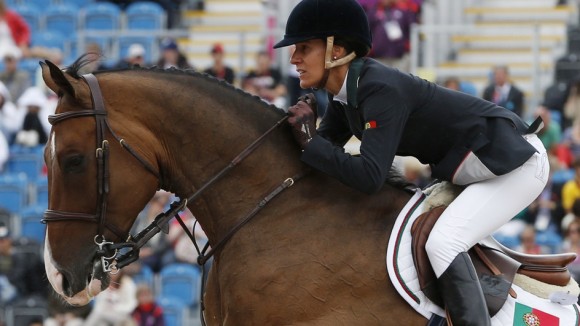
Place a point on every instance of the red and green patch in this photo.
(528, 316)
(371, 125)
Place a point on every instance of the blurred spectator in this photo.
(171, 56)
(21, 274)
(62, 314)
(367, 4)
(4, 152)
(135, 57)
(416, 172)
(148, 312)
(572, 104)
(452, 83)
(266, 81)
(390, 25)
(571, 243)
(502, 92)
(156, 253)
(571, 141)
(528, 244)
(551, 133)
(183, 247)
(14, 33)
(573, 215)
(11, 117)
(33, 132)
(16, 80)
(219, 69)
(114, 305)
(571, 189)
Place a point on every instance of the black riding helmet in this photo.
(346, 20)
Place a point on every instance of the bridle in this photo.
(111, 254)
(102, 156)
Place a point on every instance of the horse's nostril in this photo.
(66, 287)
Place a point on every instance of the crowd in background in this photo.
(25, 103)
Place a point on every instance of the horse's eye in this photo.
(74, 163)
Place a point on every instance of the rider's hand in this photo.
(303, 119)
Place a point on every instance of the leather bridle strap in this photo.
(102, 156)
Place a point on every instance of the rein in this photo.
(112, 255)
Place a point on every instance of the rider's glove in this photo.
(303, 119)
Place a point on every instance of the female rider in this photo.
(466, 140)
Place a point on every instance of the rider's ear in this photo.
(55, 79)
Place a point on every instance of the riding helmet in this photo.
(312, 19)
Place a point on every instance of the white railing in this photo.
(432, 45)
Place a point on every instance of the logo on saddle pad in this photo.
(528, 316)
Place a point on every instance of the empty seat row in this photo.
(46, 3)
(65, 18)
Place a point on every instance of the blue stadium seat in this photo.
(549, 239)
(101, 16)
(13, 191)
(11, 3)
(145, 15)
(30, 164)
(49, 39)
(31, 15)
(62, 19)
(42, 191)
(30, 223)
(76, 3)
(147, 42)
(145, 275)
(181, 281)
(173, 310)
(38, 3)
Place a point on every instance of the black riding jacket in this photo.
(394, 113)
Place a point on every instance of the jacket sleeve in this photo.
(334, 126)
(385, 111)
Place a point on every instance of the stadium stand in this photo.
(31, 227)
(180, 281)
(145, 16)
(31, 15)
(101, 16)
(13, 191)
(174, 310)
(62, 19)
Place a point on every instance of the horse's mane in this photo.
(395, 179)
(74, 69)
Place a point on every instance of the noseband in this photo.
(102, 156)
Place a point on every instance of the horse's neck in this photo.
(200, 135)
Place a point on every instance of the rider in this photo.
(466, 140)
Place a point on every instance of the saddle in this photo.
(496, 265)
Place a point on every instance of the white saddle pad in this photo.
(524, 310)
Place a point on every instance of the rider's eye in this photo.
(74, 163)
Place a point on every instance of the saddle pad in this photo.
(403, 275)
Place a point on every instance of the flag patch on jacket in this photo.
(371, 125)
(528, 316)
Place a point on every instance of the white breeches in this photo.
(485, 206)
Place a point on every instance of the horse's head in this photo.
(97, 186)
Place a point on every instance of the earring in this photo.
(334, 58)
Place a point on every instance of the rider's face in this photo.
(308, 57)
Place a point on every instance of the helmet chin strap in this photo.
(330, 63)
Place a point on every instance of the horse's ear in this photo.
(56, 79)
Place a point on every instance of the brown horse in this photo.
(315, 255)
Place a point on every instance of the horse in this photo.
(315, 255)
